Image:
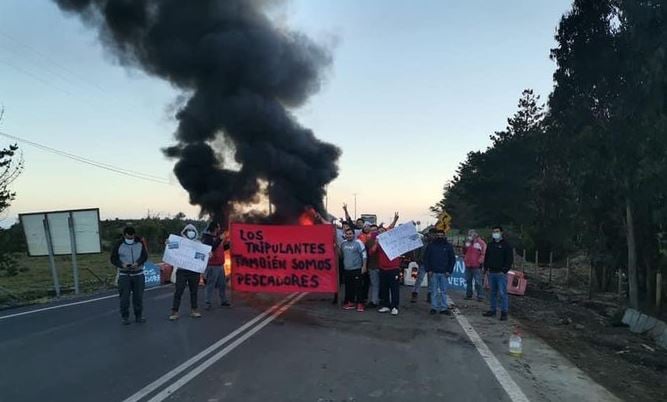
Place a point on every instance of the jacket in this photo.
(474, 254)
(135, 253)
(499, 256)
(218, 248)
(439, 257)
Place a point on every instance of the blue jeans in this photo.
(215, 278)
(420, 278)
(498, 281)
(374, 290)
(474, 276)
(438, 281)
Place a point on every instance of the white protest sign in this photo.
(400, 240)
(185, 253)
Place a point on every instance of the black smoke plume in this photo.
(241, 72)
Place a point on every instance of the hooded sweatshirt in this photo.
(187, 227)
(123, 254)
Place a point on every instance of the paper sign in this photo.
(185, 253)
(400, 240)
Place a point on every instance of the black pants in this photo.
(389, 288)
(354, 286)
(366, 278)
(184, 276)
(131, 284)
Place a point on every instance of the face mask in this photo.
(467, 244)
(190, 234)
(497, 236)
(469, 238)
(129, 241)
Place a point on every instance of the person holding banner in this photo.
(129, 256)
(354, 256)
(186, 277)
(389, 277)
(439, 261)
(214, 275)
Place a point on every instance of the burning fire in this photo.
(307, 217)
(228, 263)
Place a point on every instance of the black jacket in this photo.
(499, 256)
(439, 257)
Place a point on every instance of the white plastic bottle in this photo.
(515, 343)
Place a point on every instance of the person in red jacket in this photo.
(474, 251)
(214, 274)
(389, 277)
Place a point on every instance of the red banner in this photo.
(283, 259)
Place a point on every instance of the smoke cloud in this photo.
(242, 73)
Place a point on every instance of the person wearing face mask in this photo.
(183, 277)
(129, 256)
(498, 261)
(474, 251)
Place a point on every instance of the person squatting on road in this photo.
(498, 261)
(474, 251)
(214, 275)
(129, 256)
(439, 261)
(354, 256)
(183, 277)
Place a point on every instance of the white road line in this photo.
(178, 370)
(167, 392)
(503, 377)
(71, 304)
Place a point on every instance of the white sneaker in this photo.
(394, 311)
(383, 310)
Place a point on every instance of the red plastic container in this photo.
(165, 272)
(516, 283)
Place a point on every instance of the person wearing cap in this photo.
(474, 251)
(129, 255)
(439, 261)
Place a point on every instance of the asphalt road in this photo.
(305, 349)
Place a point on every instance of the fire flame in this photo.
(307, 217)
(228, 263)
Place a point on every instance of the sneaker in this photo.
(360, 307)
(195, 314)
(173, 316)
(371, 305)
(384, 310)
(433, 312)
(225, 304)
(126, 321)
(503, 316)
(349, 306)
(140, 320)
(394, 311)
(489, 314)
(446, 312)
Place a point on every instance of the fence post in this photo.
(590, 280)
(567, 271)
(523, 261)
(551, 262)
(620, 283)
(537, 261)
(658, 290)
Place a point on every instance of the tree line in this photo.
(585, 171)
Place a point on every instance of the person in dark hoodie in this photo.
(215, 270)
(183, 277)
(129, 256)
(439, 260)
(498, 261)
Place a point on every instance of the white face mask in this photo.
(129, 241)
(469, 238)
(497, 236)
(190, 234)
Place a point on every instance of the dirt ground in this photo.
(590, 334)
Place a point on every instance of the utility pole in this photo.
(355, 205)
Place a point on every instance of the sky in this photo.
(414, 87)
